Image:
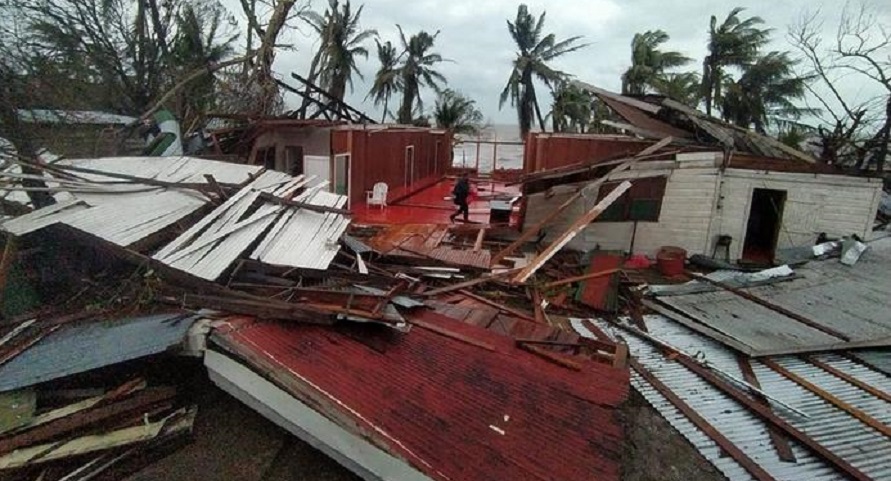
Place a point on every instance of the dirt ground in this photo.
(655, 451)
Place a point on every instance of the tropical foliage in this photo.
(649, 63)
(416, 70)
(765, 90)
(571, 110)
(386, 80)
(457, 113)
(734, 43)
(341, 42)
(535, 50)
(683, 87)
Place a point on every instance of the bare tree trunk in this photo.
(883, 137)
(11, 129)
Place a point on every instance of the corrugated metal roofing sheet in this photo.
(303, 238)
(287, 235)
(127, 214)
(844, 435)
(87, 346)
(452, 409)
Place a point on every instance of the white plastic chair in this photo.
(377, 196)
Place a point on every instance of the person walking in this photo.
(460, 193)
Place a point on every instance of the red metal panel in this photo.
(554, 150)
(598, 292)
(450, 408)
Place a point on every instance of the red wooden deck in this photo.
(451, 409)
(432, 205)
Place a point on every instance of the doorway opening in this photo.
(294, 160)
(763, 227)
(341, 184)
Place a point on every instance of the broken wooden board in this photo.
(178, 422)
(571, 232)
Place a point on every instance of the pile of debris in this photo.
(397, 349)
(351, 328)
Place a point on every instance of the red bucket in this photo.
(671, 261)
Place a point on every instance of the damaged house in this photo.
(352, 158)
(709, 187)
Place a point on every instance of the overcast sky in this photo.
(474, 36)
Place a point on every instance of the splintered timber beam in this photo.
(780, 442)
(571, 232)
(700, 422)
(583, 277)
(533, 231)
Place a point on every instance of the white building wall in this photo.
(684, 220)
(694, 215)
(834, 204)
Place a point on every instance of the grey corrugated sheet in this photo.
(84, 347)
(303, 238)
(126, 214)
(844, 435)
(848, 299)
(879, 359)
(355, 245)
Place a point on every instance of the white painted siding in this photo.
(836, 205)
(684, 221)
(319, 166)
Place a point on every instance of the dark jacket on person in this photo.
(461, 191)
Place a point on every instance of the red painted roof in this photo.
(439, 402)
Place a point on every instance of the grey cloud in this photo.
(474, 35)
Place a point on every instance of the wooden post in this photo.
(6, 261)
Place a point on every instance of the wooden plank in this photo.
(478, 245)
(533, 231)
(453, 335)
(831, 398)
(780, 442)
(537, 307)
(303, 205)
(768, 416)
(571, 232)
(583, 277)
(700, 422)
(780, 309)
(9, 253)
(473, 282)
(551, 357)
(849, 378)
(621, 356)
(500, 307)
(98, 442)
(83, 420)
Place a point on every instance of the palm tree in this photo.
(341, 42)
(416, 71)
(765, 90)
(386, 80)
(457, 113)
(648, 63)
(196, 45)
(571, 110)
(535, 50)
(682, 87)
(734, 43)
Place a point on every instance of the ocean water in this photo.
(506, 154)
